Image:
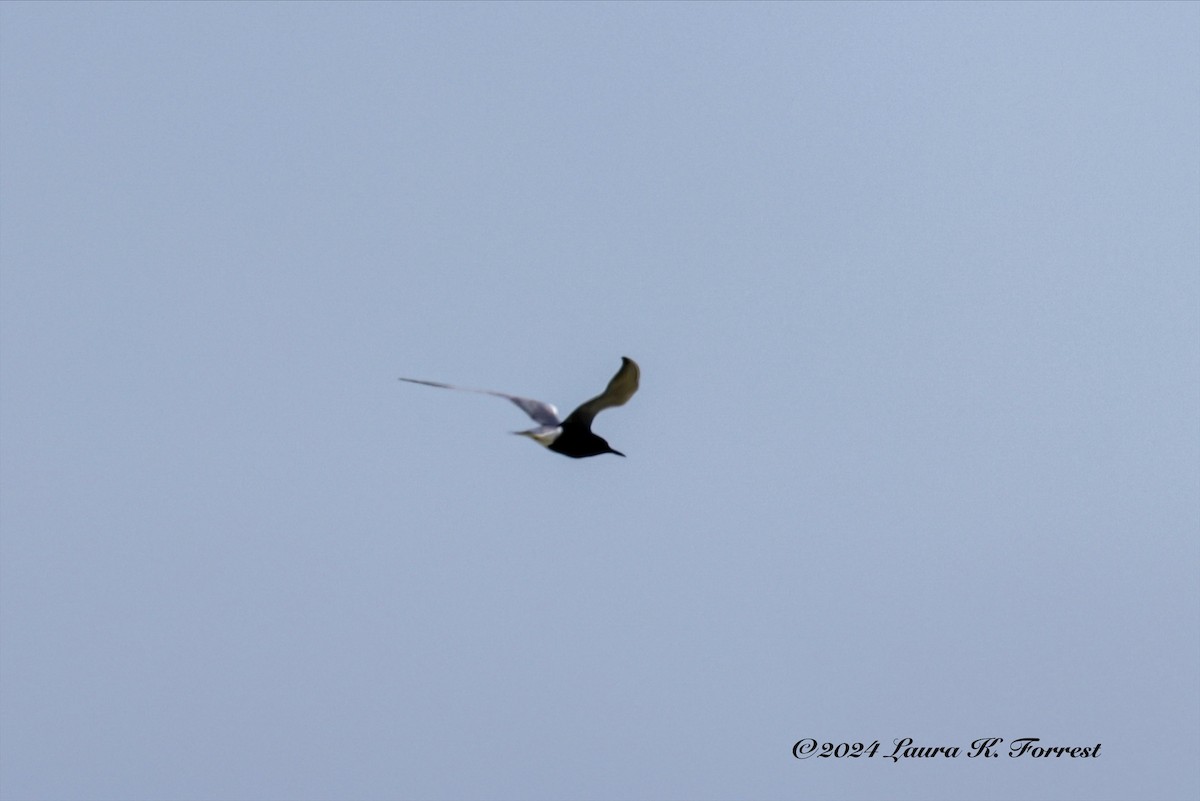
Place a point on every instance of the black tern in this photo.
(571, 437)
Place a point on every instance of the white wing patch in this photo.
(542, 435)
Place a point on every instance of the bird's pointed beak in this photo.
(614, 450)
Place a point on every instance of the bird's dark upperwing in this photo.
(619, 389)
(543, 413)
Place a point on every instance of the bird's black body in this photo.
(571, 437)
(578, 441)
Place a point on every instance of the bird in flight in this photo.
(571, 437)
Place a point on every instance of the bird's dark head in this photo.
(580, 444)
(600, 445)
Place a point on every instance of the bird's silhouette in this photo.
(571, 437)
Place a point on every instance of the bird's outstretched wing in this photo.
(543, 413)
(619, 389)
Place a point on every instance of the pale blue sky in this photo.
(915, 290)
